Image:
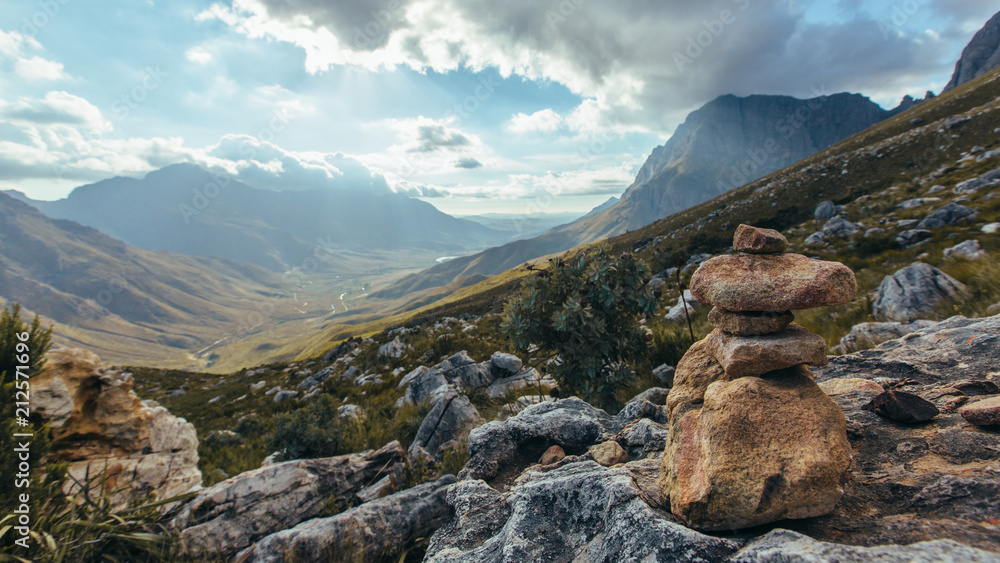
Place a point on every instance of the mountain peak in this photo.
(980, 56)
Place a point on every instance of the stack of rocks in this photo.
(752, 438)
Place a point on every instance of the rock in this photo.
(104, 431)
(993, 309)
(676, 313)
(741, 356)
(970, 250)
(980, 56)
(991, 228)
(428, 385)
(380, 530)
(753, 323)
(282, 396)
(417, 372)
(648, 404)
(222, 438)
(350, 412)
(552, 455)
(231, 515)
(825, 210)
(982, 413)
(608, 453)
(718, 475)
(521, 403)
(838, 227)
(451, 418)
(913, 237)
(645, 434)
(315, 379)
(869, 335)
(499, 388)
(499, 450)
(874, 231)
(948, 214)
(917, 202)
(784, 545)
(258, 386)
(758, 241)
(914, 292)
(902, 407)
(578, 512)
(665, 374)
(508, 363)
(272, 391)
(834, 387)
(380, 489)
(779, 282)
(393, 349)
(970, 186)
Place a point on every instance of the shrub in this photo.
(583, 313)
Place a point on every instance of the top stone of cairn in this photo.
(754, 240)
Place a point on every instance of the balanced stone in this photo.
(742, 356)
(751, 323)
(775, 282)
(754, 240)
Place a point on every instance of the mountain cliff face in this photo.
(980, 56)
(186, 209)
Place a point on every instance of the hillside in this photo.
(728, 142)
(276, 230)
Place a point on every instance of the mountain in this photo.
(186, 209)
(520, 226)
(119, 300)
(980, 56)
(728, 142)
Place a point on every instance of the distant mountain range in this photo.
(726, 143)
(186, 209)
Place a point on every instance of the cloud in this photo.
(419, 190)
(198, 55)
(12, 43)
(544, 121)
(611, 180)
(468, 163)
(628, 81)
(56, 108)
(427, 136)
(37, 68)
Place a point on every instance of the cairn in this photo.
(752, 438)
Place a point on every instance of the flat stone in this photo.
(982, 413)
(752, 323)
(776, 282)
(843, 386)
(742, 356)
(902, 407)
(755, 240)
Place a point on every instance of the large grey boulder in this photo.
(914, 292)
(449, 420)
(869, 335)
(980, 56)
(499, 450)
(380, 530)
(784, 545)
(949, 214)
(229, 516)
(676, 313)
(393, 349)
(825, 211)
(970, 250)
(579, 512)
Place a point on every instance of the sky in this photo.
(475, 106)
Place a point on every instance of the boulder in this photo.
(982, 413)
(282, 396)
(676, 313)
(521, 403)
(917, 202)
(914, 292)
(508, 363)
(350, 412)
(949, 214)
(780, 282)
(835, 387)
(499, 450)
(578, 512)
(608, 453)
(719, 476)
(825, 211)
(648, 404)
(755, 240)
(970, 250)
(231, 515)
(741, 356)
(785, 545)
(451, 418)
(106, 432)
(838, 226)
(552, 455)
(869, 335)
(665, 374)
(754, 323)
(379, 530)
(990, 228)
(393, 349)
(913, 237)
(901, 407)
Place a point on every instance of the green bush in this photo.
(583, 313)
(35, 347)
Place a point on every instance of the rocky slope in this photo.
(980, 56)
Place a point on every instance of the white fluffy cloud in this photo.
(544, 121)
(55, 108)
